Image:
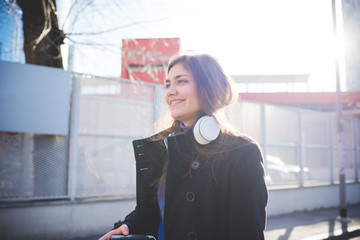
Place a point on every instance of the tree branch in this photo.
(94, 44)
(116, 28)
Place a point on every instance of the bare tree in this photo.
(42, 36)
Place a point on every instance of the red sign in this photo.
(146, 59)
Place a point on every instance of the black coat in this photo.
(218, 198)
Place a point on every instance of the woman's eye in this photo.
(167, 85)
(182, 81)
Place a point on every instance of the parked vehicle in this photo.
(279, 172)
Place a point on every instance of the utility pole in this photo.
(339, 105)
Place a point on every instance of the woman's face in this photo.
(181, 95)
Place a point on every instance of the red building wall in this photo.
(146, 59)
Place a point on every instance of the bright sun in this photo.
(267, 37)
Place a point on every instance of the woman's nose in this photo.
(172, 90)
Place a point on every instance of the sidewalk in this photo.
(312, 225)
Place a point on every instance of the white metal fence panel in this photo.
(96, 161)
(112, 114)
(317, 142)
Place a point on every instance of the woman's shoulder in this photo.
(242, 147)
(239, 140)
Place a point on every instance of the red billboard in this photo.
(146, 59)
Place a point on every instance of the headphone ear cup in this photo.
(206, 130)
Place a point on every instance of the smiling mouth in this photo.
(175, 102)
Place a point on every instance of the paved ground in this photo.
(312, 225)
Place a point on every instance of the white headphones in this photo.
(206, 130)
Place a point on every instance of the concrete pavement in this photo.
(308, 225)
(312, 225)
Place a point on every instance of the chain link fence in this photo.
(33, 166)
(96, 159)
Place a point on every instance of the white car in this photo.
(279, 172)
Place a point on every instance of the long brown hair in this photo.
(214, 88)
(214, 91)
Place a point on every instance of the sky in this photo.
(247, 37)
(11, 35)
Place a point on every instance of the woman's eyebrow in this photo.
(177, 77)
(182, 75)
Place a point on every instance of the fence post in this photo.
(357, 150)
(264, 130)
(74, 136)
(302, 148)
(158, 102)
(332, 149)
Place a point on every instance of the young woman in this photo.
(197, 179)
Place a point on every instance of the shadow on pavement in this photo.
(314, 225)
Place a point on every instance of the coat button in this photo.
(192, 236)
(190, 196)
(195, 164)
